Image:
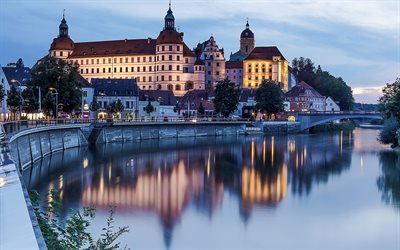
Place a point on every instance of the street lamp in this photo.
(20, 95)
(56, 94)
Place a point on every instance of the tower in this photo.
(62, 46)
(247, 40)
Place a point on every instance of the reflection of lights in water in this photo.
(264, 149)
(272, 150)
(256, 189)
(362, 161)
(341, 141)
(252, 152)
(61, 181)
(297, 161)
(305, 153)
(85, 162)
(209, 163)
(2, 181)
(291, 145)
(109, 172)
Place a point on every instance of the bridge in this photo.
(310, 119)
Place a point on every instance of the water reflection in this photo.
(163, 178)
(389, 181)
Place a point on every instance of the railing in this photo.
(338, 113)
(12, 127)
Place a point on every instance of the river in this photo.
(305, 191)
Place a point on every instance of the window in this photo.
(169, 87)
(92, 70)
(115, 60)
(109, 60)
(150, 59)
(186, 60)
(209, 72)
(87, 71)
(162, 67)
(138, 59)
(162, 58)
(138, 69)
(132, 59)
(126, 59)
(104, 61)
(178, 78)
(217, 73)
(109, 70)
(217, 64)
(126, 69)
(178, 67)
(169, 67)
(178, 48)
(120, 69)
(144, 59)
(3, 79)
(163, 48)
(209, 64)
(84, 93)
(150, 79)
(87, 61)
(81, 62)
(115, 70)
(104, 70)
(159, 86)
(144, 78)
(169, 78)
(144, 69)
(150, 68)
(127, 105)
(177, 87)
(120, 60)
(132, 69)
(162, 78)
(158, 58)
(178, 58)
(170, 48)
(97, 70)
(61, 53)
(170, 57)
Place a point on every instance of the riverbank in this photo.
(331, 127)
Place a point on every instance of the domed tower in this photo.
(62, 46)
(169, 57)
(247, 40)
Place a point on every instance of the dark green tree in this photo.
(2, 92)
(201, 110)
(389, 103)
(226, 97)
(19, 63)
(62, 76)
(14, 100)
(177, 108)
(31, 102)
(149, 108)
(269, 98)
(116, 107)
(94, 105)
(303, 70)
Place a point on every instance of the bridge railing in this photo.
(338, 113)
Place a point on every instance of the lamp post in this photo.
(56, 94)
(40, 100)
(82, 105)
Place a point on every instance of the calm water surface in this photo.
(324, 191)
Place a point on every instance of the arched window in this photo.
(170, 87)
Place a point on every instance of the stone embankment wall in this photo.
(117, 133)
(31, 145)
(281, 127)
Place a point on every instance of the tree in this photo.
(201, 110)
(19, 63)
(116, 107)
(177, 108)
(94, 105)
(387, 135)
(14, 99)
(389, 103)
(304, 70)
(2, 92)
(149, 108)
(322, 81)
(269, 98)
(62, 76)
(31, 102)
(73, 234)
(226, 97)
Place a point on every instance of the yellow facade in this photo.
(255, 71)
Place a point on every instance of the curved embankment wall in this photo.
(32, 144)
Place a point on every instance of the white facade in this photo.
(330, 105)
(4, 112)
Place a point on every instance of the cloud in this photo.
(367, 94)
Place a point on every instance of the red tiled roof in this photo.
(233, 64)
(303, 89)
(119, 48)
(264, 53)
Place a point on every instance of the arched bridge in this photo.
(311, 119)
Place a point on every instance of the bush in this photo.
(387, 135)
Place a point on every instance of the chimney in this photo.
(148, 40)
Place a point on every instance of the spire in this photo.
(247, 24)
(63, 28)
(169, 19)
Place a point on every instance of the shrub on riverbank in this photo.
(72, 233)
(330, 127)
(387, 135)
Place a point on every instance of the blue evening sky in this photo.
(358, 40)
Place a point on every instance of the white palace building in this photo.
(165, 63)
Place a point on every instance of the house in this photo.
(303, 97)
(331, 105)
(189, 104)
(166, 99)
(109, 91)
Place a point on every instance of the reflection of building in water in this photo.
(262, 189)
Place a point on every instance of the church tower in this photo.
(62, 46)
(247, 40)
